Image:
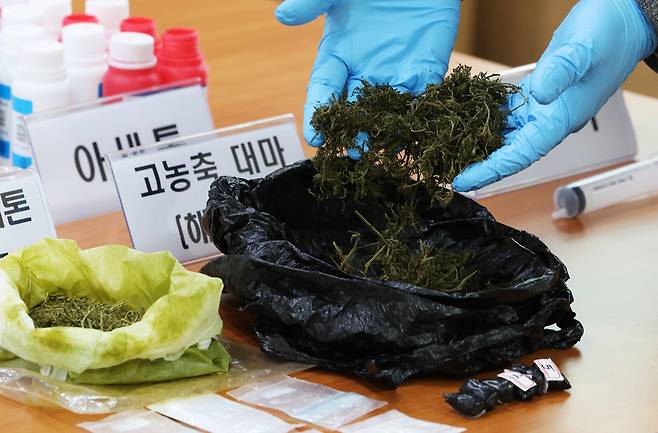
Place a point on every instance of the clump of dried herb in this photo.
(419, 144)
(60, 310)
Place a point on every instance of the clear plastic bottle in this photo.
(40, 84)
(12, 39)
(54, 12)
(85, 58)
(132, 64)
(110, 13)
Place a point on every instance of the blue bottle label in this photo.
(21, 151)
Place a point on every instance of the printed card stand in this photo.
(164, 187)
(69, 145)
(608, 139)
(24, 214)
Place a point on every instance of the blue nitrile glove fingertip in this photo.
(354, 153)
(312, 137)
(360, 146)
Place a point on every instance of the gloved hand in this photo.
(592, 53)
(406, 44)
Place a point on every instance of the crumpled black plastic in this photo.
(277, 240)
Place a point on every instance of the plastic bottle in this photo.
(132, 64)
(180, 57)
(110, 13)
(78, 18)
(54, 13)
(40, 84)
(12, 39)
(85, 58)
(22, 15)
(142, 25)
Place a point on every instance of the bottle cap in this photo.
(54, 12)
(21, 15)
(42, 60)
(180, 44)
(140, 25)
(110, 13)
(13, 38)
(8, 3)
(84, 42)
(78, 18)
(131, 50)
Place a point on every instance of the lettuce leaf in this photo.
(181, 307)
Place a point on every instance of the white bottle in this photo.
(22, 15)
(12, 39)
(40, 84)
(85, 57)
(110, 13)
(54, 12)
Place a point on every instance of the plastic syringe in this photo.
(606, 189)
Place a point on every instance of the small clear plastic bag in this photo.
(306, 401)
(248, 365)
(139, 421)
(395, 421)
(216, 414)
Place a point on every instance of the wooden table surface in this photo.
(260, 69)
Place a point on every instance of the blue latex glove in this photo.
(592, 53)
(406, 44)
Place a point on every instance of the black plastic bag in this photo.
(278, 243)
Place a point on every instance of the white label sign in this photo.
(549, 369)
(24, 214)
(164, 188)
(520, 380)
(607, 139)
(69, 145)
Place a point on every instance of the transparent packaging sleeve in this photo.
(306, 401)
(139, 420)
(248, 365)
(216, 414)
(395, 421)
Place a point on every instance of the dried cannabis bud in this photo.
(419, 144)
(60, 310)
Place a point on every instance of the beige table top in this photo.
(260, 69)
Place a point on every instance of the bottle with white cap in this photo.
(132, 64)
(110, 13)
(54, 12)
(12, 39)
(22, 15)
(85, 58)
(40, 84)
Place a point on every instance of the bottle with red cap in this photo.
(79, 18)
(142, 25)
(180, 58)
(132, 64)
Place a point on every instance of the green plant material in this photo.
(416, 146)
(60, 310)
(394, 257)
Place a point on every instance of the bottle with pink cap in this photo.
(132, 64)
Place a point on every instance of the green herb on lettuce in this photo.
(60, 310)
